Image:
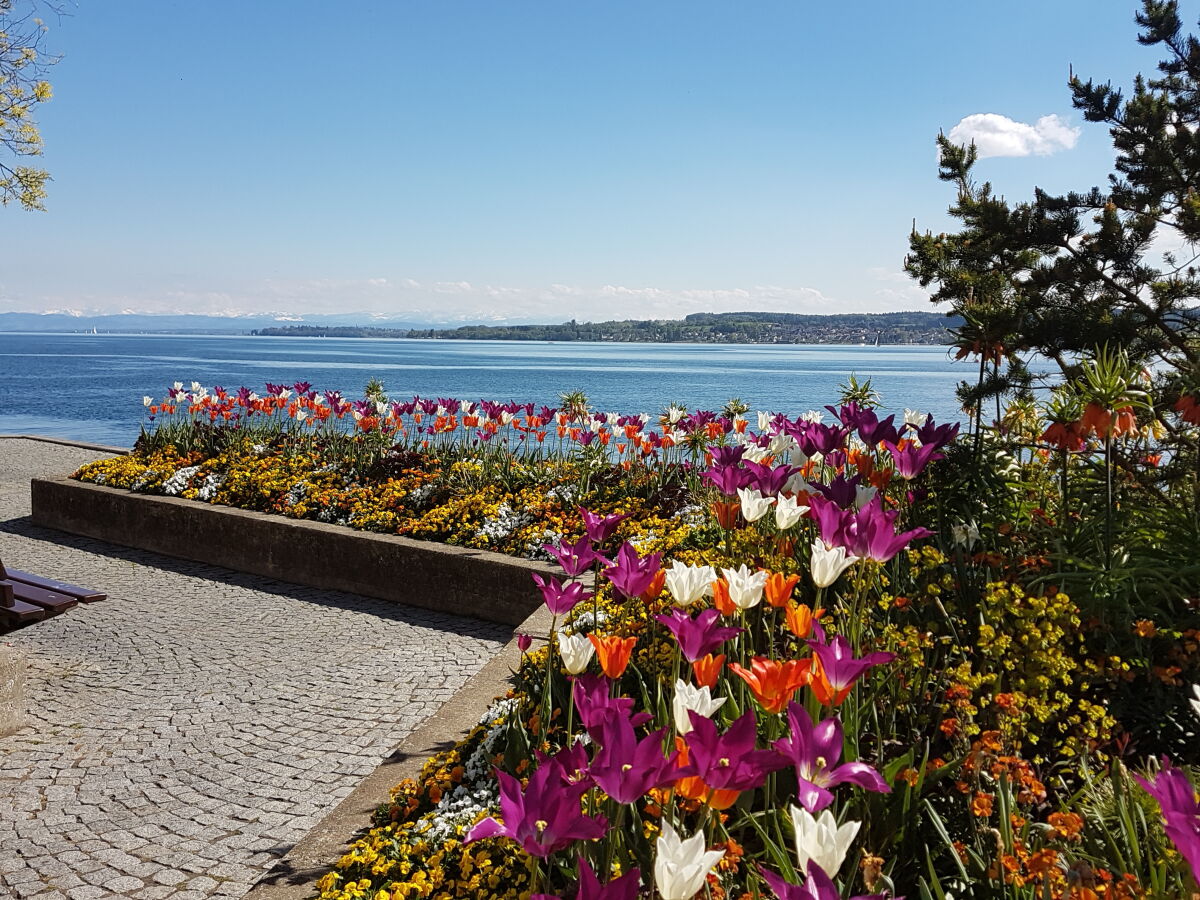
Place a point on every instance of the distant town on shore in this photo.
(699, 328)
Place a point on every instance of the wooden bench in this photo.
(28, 598)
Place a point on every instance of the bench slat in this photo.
(50, 601)
(82, 594)
(20, 613)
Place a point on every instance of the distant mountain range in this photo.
(145, 323)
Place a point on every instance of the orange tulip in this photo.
(773, 683)
(656, 586)
(778, 589)
(726, 512)
(707, 669)
(721, 599)
(800, 619)
(613, 653)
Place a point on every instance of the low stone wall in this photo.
(457, 580)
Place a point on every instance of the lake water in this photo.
(90, 387)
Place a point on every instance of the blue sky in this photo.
(535, 161)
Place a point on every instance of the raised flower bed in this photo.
(817, 657)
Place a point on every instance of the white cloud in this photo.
(997, 135)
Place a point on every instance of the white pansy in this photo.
(754, 504)
(821, 840)
(827, 565)
(694, 699)
(681, 867)
(788, 512)
(688, 584)
(576, 651)
(745, 587)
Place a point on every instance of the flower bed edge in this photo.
(456, 580)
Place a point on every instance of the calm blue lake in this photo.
(90, 387)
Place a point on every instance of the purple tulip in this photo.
(769, 481)
(727, 456)
(874, 535)
(726, 479)
(631, 574)
(937, 436)
(1181, 811)
(523, 641)
(911, 460)
(817, 886)
(560, 599)
(626, 768)
(596, 707)
(850, 414)
(575, 558)
(841, 490)
(814, 751)
(728, 761)
(874, 432)
(700, 635)
(623, 888)
(546, 816)
(600, 528)
(839, 666)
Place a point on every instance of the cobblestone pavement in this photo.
(186, 732)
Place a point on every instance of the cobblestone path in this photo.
(186, 732)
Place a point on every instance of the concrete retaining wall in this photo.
(467, 582)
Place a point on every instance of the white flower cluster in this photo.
(565, 493)
(587, 621)
(535, 549)
(477, 792)
(417, 497)
(691, 515)
(177, 483)
(502, 524)
(296, 493)
(212, 484)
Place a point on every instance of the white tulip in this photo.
(813, 415)
(694, 699)
(754, 504)
(1196, 702)
(576, 651)
(788, 512)
(146, 401)
(674, 414)
(612, 418)
(755, 453)
(688, 584)
(914, 418)
(864, 494)
(965, 534)
(795, 484)
(681, 867)
(821, 840)
(764, 420)
(827, 565)
(745, 587)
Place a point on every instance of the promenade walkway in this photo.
(186, 732)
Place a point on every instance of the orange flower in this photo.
(1096, 420)
(981, 804)
(613, 653)
(721, 599)
(949, 727)
(656, 586)
(773, 683)
(726, 512)
(707, 669)
(1144, 628)
(1188, 409)
(1066, 825)
(800, 619)
(778, 589)
(991, 741)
